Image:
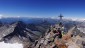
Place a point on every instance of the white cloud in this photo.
(18, 16)
(1, 16)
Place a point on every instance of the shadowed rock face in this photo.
(18, 31)
(22, 33)
(1, 24)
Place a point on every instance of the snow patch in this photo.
(8, 45)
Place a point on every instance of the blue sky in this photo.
(43, 8)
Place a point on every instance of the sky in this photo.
(43, 8)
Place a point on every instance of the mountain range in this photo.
(27, 30)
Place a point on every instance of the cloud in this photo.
(1, 16)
